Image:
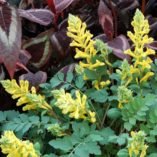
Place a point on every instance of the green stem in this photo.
(105, 115)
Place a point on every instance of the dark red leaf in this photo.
(2, 1)
(34, 79)
(10, 38)
(57, 6)
(60, 43)
(119, 45)
(62, 4)
(24, 57)
(2, 73)
(68, 68)
(40, 16)
(51, 5)
(152, 45)
(40, 48)
(106, 19)
(102, 37)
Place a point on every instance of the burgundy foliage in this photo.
(10, 37)
(33, 41)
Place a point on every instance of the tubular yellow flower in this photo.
(146, 77)
(76, 108)
(141, 60)
(91, 66)
(94, 53)
(136, 144)
(15, 147)
(26, 97)
(101, 84)
(82, 40)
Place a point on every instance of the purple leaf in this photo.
(40, 16)
(40, 48)
(24, 57)
(106, 19)
(68, 68)
(127, 5)
(152, 45)
(2, 73)
(60, 43)
(102, 37)
(10, 38)
(34, 79)
(58, 6)
(119, 45)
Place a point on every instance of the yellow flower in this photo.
(76, 108)
(136, 144)
(141, 60)
(82, 40)
(146, 77)
(124, 96)
(100, 84)
(92, 116)
(15, 147)
(92, 66)
(25, 96)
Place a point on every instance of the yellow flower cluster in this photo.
(82, 39)
(85, 49)
(15, 147)
(30, 98)
(124, 96)
(140, 54)
(136, 144)
(76, 108)
(101, 84)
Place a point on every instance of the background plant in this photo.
(100, 107)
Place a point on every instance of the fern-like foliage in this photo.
(26, 97)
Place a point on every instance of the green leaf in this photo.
(122, 139)
(127, 126)
(79, 82)
(100, 96)
(34, 119)
(81, 151)
(153, 155)
(11, 114)
(93, 148)
(132, 120)
(106, 133)
(123, 153)
(113, 113)
(96, 138)
(60, 76)
(2, 116)
(69, 77)
(64, 144)
(57, 79)
(81, 129)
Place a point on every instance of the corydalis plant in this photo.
(76, 108)
(141, 68)
(92, 59)
(13, 146)
(82, 39)
(136, 145)
(25, 96)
